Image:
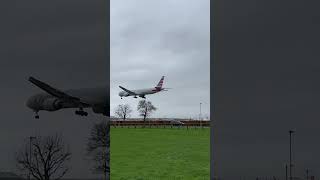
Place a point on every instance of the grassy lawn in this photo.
(151, 153)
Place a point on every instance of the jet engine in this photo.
(51, 104)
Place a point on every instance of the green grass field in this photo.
(155, 153)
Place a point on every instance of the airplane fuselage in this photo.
(96, 98)
(140, 92)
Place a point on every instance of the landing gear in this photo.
(81, 112)
(36, 115)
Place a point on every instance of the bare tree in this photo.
(98, 147)
(46, 158)
(123, 111)
(145, 109)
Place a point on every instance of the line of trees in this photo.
(145, 109)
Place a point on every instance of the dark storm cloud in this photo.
(154, 38)
(266, 72)
(63, 44)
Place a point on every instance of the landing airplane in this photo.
(142, 92)
(54, 99)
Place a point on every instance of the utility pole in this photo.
(307, 172)
(290, 163)
(30, 154)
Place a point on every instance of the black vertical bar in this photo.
(290, 163)
(290, 166)
(29, 175)
(286, 172)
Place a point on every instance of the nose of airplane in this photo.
(31, 103)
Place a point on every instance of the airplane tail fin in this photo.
(159, 85)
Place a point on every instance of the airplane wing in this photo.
(55, 92)
(128, 91)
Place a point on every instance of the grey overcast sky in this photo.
(267, 73)
(59, 42)
(154, 38)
